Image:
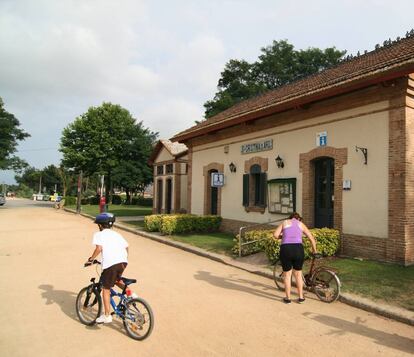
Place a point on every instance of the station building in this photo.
(337, 146)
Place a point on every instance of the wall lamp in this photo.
(364, 152)
(279, 162)
(232, 167)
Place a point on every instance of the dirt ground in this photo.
(201, 307)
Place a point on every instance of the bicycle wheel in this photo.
(278, 275)
(139, 319)
(326, 285)
(88, 306)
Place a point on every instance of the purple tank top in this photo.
(292, 234)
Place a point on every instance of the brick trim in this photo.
(177, 188)
(364, 247)
(263, 162)
(207, 187)
(264, 165)
(400, 243)
(189, 178)
(306, 167)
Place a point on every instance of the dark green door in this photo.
(213, 197)
(324, 192)
(214, 191)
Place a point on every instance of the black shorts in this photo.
(112, 274)
(292, 255)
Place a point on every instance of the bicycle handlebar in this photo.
(92, 262)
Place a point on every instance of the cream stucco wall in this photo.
(365, 206)
(164, 155)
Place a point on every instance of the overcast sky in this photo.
(161, 60)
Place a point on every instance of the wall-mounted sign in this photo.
(217, 179)
(346, 185)
(259, 146)
(321, 138)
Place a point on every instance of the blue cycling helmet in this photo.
(105, 219)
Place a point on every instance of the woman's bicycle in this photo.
(320, 279)
(135, 313)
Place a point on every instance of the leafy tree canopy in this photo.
(48, 177)
(109, 141)
(10, 134)
(278, 64)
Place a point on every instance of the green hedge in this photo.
(181, 223)
(70, 200)
(152, 223)
(327, 243)
(141, 201)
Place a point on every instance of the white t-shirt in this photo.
(113, 247)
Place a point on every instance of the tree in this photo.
(10, 134)
(30, 177)
(107, 140)
(51, 179)
(48, 177)
(133, 171)
(279, 64)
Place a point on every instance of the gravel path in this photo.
(201, 307)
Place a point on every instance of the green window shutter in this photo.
(262, 189)
(246, 190)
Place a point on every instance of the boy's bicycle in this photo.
(321, 280)
(135, 313)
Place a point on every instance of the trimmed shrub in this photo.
(141, 201)
(116, 200)
(84, 201)
(152, 223)
(327, 243)
(70, 201)
(181, 223)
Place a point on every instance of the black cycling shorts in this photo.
(292, 255)
(112, 274)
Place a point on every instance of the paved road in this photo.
(23, 203)
(202, 308)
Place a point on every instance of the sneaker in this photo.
(287, 301)
(301, 301)
(103, 319)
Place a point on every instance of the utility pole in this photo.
(78, 203)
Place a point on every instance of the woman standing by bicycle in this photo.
(292, 253)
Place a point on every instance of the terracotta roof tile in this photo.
(175, 148)
(382, 60)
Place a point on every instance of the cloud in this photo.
(172, 116)
(161, 60)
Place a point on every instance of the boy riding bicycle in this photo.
(114, 250)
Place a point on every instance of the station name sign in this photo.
(256, 147)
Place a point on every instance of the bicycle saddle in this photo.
(128, 281)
